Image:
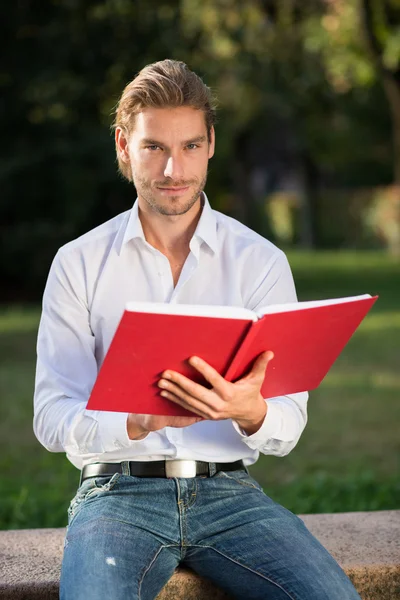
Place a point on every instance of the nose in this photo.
(173, 168)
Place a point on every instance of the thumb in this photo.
(261, 364)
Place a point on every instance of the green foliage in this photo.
(383, 217)
(323, 493)
(337, 37)
(297, 91)
(362, 218)
(37, 501)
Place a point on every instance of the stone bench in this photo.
(366, 545)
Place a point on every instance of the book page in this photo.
(193, 310)
(277, 308)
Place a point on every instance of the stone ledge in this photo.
(366, 545)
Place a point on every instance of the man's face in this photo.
(168, 151)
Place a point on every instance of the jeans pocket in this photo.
(241, 477)
(90, 488)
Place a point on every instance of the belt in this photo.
(159, 468)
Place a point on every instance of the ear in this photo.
(121, 144)
(211, 146)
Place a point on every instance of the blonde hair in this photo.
(164, 84)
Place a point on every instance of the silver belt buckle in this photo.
(180, 468)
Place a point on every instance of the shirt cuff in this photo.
(271, 425)
(113, 431)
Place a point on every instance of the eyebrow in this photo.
(197, 140)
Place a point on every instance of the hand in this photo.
(138, 426)
(241, 401)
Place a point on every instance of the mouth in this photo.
(173, 191)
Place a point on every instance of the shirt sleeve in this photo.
(286, 416)
(67, 369)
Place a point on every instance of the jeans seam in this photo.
(245, 567)
(182, 516)
(193, 496)
(150, 565)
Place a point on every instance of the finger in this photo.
(184, 404)
(172, 378)
(182, 393)
(209, 373)
(209, 403)
(183, 421)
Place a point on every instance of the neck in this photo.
(169, 234)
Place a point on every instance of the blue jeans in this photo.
(126, 535)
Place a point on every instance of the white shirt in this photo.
(91, 280)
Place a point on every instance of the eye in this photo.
(153, 147)
(192, 146)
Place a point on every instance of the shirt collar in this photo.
(134, 227)
(206, 228)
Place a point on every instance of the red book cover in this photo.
(146, 344)
(305, 342)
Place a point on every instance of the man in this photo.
(159, 491)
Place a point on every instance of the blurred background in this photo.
(308, 155)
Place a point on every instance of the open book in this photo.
(306, 338)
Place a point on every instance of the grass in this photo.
(347, 458)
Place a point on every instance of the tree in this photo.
(381, 23)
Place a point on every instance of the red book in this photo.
(306, 339)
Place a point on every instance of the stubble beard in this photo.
(172, 205)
